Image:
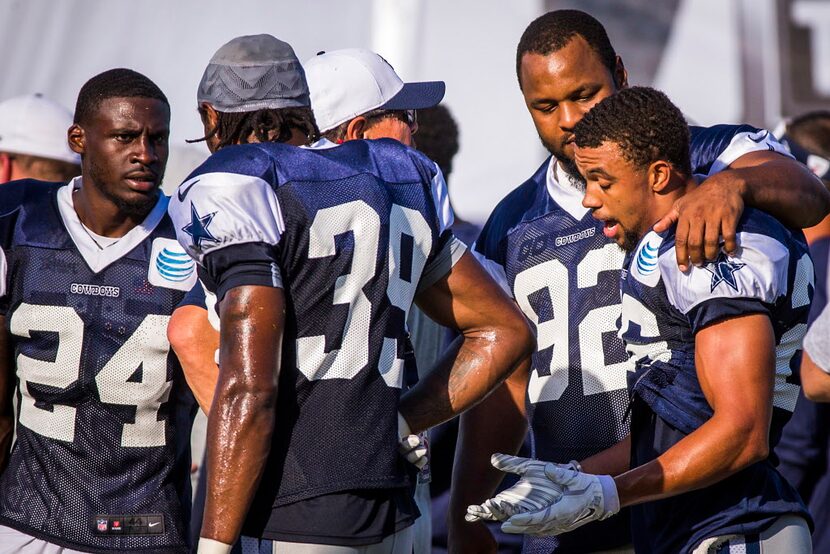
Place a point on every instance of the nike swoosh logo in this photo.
(589, 514)
(153, 524)
(762, 136)
(182, 192)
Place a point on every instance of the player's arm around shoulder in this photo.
(742, 169)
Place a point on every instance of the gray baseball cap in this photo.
(252, 73)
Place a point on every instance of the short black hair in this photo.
(114, 83)
(437, 136)
(811, 131)
(645, 125)
(552, 31)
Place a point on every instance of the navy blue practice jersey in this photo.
(550, 254)
(350, 233)
(101, 462)
(662, 309)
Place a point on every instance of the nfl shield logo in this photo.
(102, 524)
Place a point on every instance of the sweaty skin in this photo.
(737, 435)
(495, 340)
(243, 412)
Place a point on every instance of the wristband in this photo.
(610, 497)
(210, 546)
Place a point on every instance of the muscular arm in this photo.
(6, 394)
(495, 339)
(765, 180)
(497, 424)
(194, 340)
(735, 361)
(242, 417)
(611, 461)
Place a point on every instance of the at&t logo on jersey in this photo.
(645, 266)
(170, 266)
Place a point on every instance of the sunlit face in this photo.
(560, 88)
(617, 192)
(125, 151)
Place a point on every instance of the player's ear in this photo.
(356, 128)
(76, 138)
(5, 168)
(659, 176)
(620, 74)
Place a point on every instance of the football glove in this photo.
(532, 492)
(585, 498)
(411, 446)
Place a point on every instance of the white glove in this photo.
(210, 546)
(585, 498)
(411, 446)
(532, 492)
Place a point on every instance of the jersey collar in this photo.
(567, 196)
(96, 258)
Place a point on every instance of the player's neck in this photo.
(101, 215)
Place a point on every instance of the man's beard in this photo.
(630, 241)
(576, 180)
(135, 209)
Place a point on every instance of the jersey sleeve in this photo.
(448, 249)
(750, 282)
(231, 224)
(489, 250)
(713, 149)
(816, 343)
(194, 297)
(11, 199)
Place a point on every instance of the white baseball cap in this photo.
(350, 82)
(36, 126)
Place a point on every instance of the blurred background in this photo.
(721, 61)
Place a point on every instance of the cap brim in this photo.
(417, 96)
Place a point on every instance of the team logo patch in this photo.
(644, 267)
(723, 270)
(170, 266)
(198, 227)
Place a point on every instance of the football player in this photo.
(563, 271)
(711, 350)
(90, 272)
(315, 256)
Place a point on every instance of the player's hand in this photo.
(532, 492)
(585, 498)
(705, 216)
(411, 446)
(470, 538)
